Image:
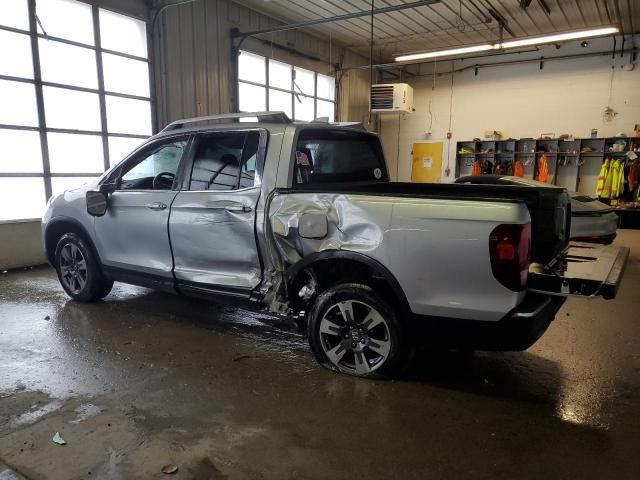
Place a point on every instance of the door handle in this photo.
(237, 208)
(156, 206)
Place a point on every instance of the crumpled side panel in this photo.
(355, 223)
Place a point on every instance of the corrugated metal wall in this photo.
(193, 59)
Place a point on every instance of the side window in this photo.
(225, 161)
(154, 170)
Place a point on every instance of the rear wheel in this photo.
(352, 331)
(78, 271)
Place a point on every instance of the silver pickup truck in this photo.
(301, 219)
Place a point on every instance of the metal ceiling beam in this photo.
(337, 18)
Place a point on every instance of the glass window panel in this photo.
(68, 64)
(66, 19)
(20, 151)
(279, 75)
(304, 81)
(303, 108)
(251, 67)
(14, 13)
(125, 75)
(18, 104)
(69, 153)
(123, 34)
(21, 198)
(216, 162)
(162, 159)
(15, 61)
(325, 109)
(71, 109)
(280, 102)
(252, 98)
(62, 184)
(125, 115)
(326, 87)
(120, 147)
(324, 157)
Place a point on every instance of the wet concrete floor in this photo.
(146, 379)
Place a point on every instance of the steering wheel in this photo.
(163, 181)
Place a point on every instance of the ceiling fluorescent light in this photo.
(444, 53)
(560, 37)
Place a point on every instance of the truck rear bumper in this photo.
(516, 331)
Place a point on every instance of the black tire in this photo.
(86, 284)
(352, 343)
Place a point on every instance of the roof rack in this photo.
(263, 117)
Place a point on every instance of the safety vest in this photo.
(603, 189)
(476, 169)
(518, 169)
(617, 181)
(543, 169)
(604, 169)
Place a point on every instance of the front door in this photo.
(212, 224)
(132, 237)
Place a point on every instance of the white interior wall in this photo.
(566, 96)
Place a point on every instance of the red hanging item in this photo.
(633, 174)
(518, 169)
(476, 169)
(543, 169)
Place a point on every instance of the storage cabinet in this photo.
(573, 164)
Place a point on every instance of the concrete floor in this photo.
(146, 379)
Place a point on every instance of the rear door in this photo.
(212, 223)
(582, 269)
(132, 236)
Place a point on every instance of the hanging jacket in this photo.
(601, 190)
(632, 176)
(476, 169)
(518, 169)
(543, 169)
(617, 180)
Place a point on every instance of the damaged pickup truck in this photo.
(301, 219)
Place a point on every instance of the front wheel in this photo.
(355, 332)
(78, 270)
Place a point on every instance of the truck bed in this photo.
(545, 205)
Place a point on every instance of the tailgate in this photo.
(581, 269)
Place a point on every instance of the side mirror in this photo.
(96, 203)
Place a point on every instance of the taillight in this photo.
(510, 252)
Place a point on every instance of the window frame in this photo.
(293, 91)
(260, 158)
(35, 36)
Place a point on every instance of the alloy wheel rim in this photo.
(355, 337)
(73, 268)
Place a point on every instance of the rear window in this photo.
(331, 156)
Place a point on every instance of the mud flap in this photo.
(581, 269)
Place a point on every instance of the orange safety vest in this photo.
(477, 168)
(543, 169)
(518, 169)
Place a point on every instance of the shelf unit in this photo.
(568, 165)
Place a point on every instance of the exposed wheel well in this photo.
(55, 232)
(331, 271)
